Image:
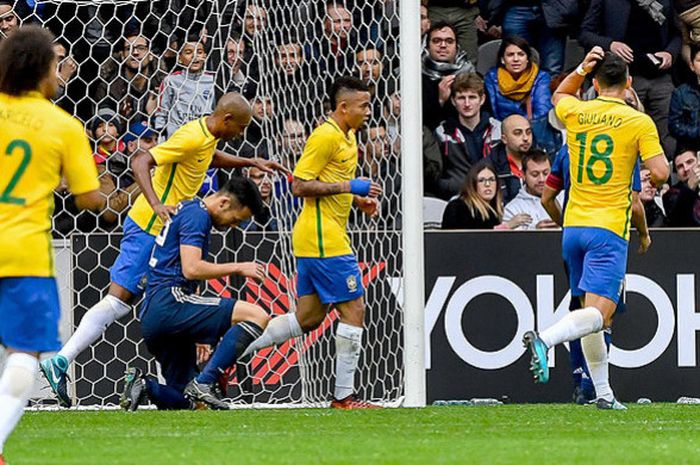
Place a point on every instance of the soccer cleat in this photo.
(538, 356)
(604, 404)
(2, 461)
(207, 393)
(55, 370)
(134, 390)
(351, 402)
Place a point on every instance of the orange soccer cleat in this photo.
(351, 402)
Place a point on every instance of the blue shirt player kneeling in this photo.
(174, 317)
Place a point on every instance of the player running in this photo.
(605, 137)
(39, 143)
(327, 270)
(174, 317)
(181, 164)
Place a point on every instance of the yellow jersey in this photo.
(329, 156)
(182, 163)
(39, 143)
(605, 136)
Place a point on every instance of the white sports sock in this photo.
(278, 330)
(348, 343)
(596, 353)
(16, 386)
(574, 325)
(94, 323)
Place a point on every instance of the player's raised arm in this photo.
(225, 160)
(573, 82)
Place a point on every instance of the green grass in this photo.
(511, 434)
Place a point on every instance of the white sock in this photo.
(278, 330)
(348, 343)
(93, 325)
(596, 353)
(574, 325)
(16, 386)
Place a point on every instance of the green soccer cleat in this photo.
(55, 370)
(604, 404)
(134, 393)
(538, 356)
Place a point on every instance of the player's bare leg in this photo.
(115, 305)
(348, 345)
(16, 385)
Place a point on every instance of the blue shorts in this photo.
(130, 267)
(334, 279)
(29, 314)
(172, 322)
(596, 260)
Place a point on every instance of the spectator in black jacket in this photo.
(507, 157)
(649, 41)
(681, 201)
(466, 138)
(442, 61)
(654, 213)
(684, 112)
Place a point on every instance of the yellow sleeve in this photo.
(565, 106)
(173, 150)
(77, 164)
(649, 144)
(318, 151)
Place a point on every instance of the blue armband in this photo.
(360, 187)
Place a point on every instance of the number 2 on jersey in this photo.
(17, 145)
(597, 155)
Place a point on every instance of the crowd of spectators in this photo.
(134, 73)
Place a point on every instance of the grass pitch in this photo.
(510, 434)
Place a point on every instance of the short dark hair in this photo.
(27, 57)
(611, 71)
(345, 83)
(683, 149)
(535, 155)
(694, 50)
(245, 192)
(437, 26)
(519, 42)
(468, 82)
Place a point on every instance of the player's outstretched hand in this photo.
(368, 206)
(252, 270)
(644, 243)
(592, 58)
(269, 166)
(165, 212)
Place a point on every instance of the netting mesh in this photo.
(124, 65)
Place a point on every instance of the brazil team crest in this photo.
(352, 283)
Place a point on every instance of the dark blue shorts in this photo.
(334, 279)
(596, 260)
(172, 322)
(129, 270)
(29, 314)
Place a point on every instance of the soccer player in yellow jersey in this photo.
(328, 272)
(180, 164)
(39, 143)
(605, 136)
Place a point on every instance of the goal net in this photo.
(124, 65)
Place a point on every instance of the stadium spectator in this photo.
(689, 18)
(507, 156)
(263, 112)
(129, 79)
(536, 168)
(684, 110)
(462, 15)
(517, 85)
(681, 201)
(424, 20)
(480, 204)
(392, 118)
(442, 61)
(543, 24)
(105, 129)
(232, 75)
(655, 215)
(625, 28)
(254, 21)
(466, 138)
(9, 21)
(265, 220)
(292, 94)
(187, 93)
(432, 163)
(64, 71)
(332, 52)
(291, 141)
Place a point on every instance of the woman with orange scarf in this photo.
(517, 85)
